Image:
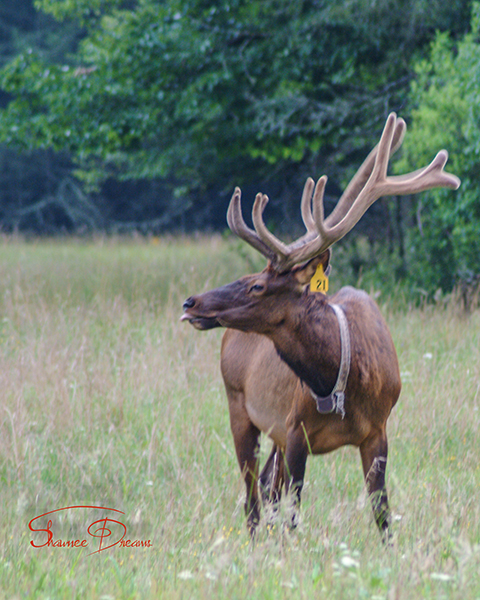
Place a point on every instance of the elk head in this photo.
(262, 301)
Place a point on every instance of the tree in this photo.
(444, 245)
(37, 190)
(191, 89)
(206, 96)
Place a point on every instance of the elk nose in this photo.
(189, 303)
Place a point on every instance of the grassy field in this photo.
(108, 400)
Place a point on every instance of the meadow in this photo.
(108, 400)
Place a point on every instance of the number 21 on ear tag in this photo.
(319, 282)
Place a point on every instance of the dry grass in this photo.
(107, 399)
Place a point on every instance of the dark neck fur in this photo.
(310, 344)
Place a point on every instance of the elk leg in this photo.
(246, 439)
(271, 477)
(374, 452)
(295, 463)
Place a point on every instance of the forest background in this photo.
(122, 116)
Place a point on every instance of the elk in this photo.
(312, 372)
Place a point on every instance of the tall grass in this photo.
(108, 400)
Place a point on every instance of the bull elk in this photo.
(312, 372)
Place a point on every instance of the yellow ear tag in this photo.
(319, 282)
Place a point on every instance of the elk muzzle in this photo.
(198, 321)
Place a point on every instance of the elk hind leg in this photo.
(271, 478)
(374, 451)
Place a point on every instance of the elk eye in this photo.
(257, 288)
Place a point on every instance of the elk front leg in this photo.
(245, 437)
(295, 463)
(374, 451)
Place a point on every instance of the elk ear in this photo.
(304, 273)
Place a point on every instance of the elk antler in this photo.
(369, 183)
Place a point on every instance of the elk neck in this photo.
(309, 342)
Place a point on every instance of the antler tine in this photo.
(322, 241)
(380, 165)
(361, 176)
(318, 211)
(280, 249)
(307, 217)
(424, 179)
(240, 228)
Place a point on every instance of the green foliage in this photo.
(33, 183)
(444, 244)
(196, 92)
(83, 10)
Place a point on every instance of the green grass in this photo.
(108, 400)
